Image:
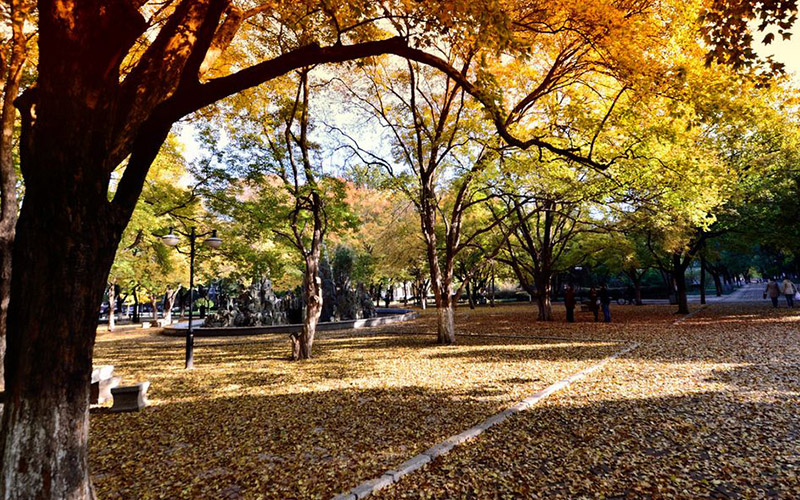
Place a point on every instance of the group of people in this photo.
(775, 290)
(597, 300)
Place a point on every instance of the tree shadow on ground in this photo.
(540, 352)
(708, 445)
(299, 445)
(246, 423)
(315, 444)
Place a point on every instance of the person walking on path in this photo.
(788, 289)
(569, 303)
(605, 301)
(772, 291)
(593, 302)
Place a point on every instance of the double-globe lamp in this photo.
(212, 242)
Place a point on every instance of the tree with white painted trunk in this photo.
(269, 176)
(439, 163)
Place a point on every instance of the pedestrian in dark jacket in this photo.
(569, 303)
(605, 301)
(773, 291)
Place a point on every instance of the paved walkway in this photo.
(748, 293)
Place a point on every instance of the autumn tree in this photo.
(282, 186)
(143, 264)
(550, 205)
(435, 136)
(373, 238)
(731, 28)
(622, 250)
(112, 79)
(401, 248)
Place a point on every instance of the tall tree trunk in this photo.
(446, 332)
(543, 299)
(169, 303)
(666, 277)
(679, 275)
(112, 310)
(66, 238)
(470, 297)
(717, 283)
(637, 290)
(135, 316)
(491, 294)
(636, 278)
(62, 255)
(702, 279)
(421, 290)
(440, 281)
(446, 321)
(312, 289)
(154, 305)
(10, 74)
(182, 297)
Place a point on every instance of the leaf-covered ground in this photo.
(246, 422)
(708, 407)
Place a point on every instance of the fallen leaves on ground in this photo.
(248, 423)
(705, 409)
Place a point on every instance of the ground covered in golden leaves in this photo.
(708, 407)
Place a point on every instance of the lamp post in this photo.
(172, 240)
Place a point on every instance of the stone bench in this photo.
(103, 380)
(130, 398)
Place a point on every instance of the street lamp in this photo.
(212, 242)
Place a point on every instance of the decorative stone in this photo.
(102, 381)
(102, 372)
(130, 398)
(259, 306)
(101, 391)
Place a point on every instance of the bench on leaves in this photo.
(131, 398)
(105, 386)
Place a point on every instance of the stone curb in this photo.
(393, 316)
(417, 462)
(540, 337)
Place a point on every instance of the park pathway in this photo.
(751, 292)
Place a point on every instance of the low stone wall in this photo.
(385, 317)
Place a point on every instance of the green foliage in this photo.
(143, 263)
